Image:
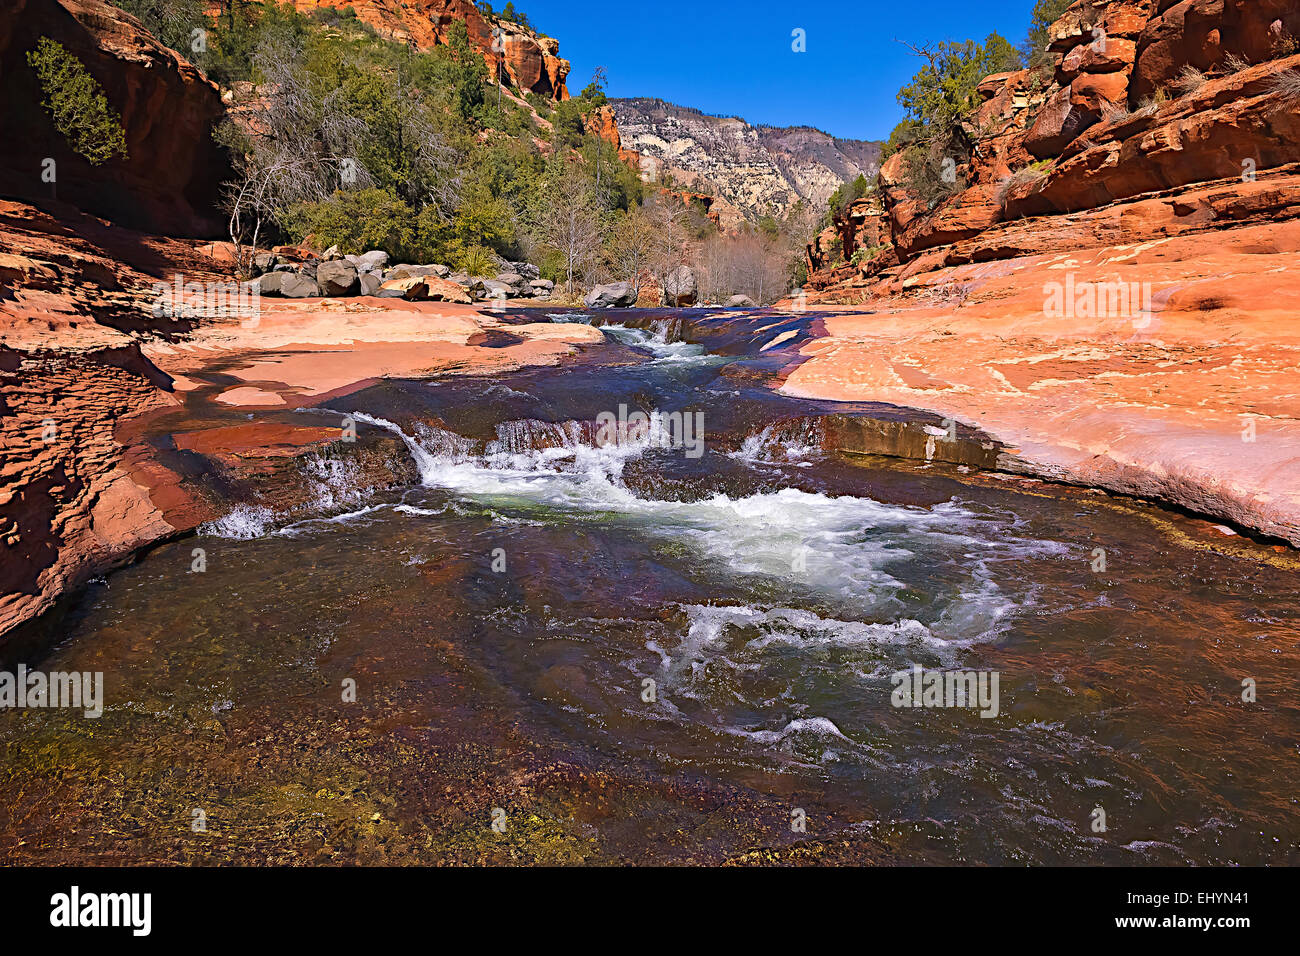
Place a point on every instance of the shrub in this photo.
(77, 103)
(477, 261)
(357, 221)
(1235, 63)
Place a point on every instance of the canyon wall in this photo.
(755, 169)
(1110, 290)
(520, 57)
(169, 180)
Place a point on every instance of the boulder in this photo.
(297, 286)
(266, 284)
(740, 302)
(496, 289)
(542, 288)
(337, 277)
(369, 283)
(406, 271)
(518, 284)
(525, 269)
(610, 295)
(469, 283)
(444, 290)
(331, 254)
(376, 260)
(680, 288)
(265, 261)
(409, 287)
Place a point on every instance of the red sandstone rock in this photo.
(170, 179)
(521, 57)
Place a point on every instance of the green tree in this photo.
(77, 103)
(356, 221)
(469, 76)
(942, 93)
(1034, 47)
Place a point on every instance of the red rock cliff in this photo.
(170, 179)
(523, 58)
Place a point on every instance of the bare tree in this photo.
(631, 247)
(570, 221)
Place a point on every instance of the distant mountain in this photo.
(757, 169)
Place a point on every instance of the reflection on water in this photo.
(649, 659)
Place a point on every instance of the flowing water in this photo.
(640, 654)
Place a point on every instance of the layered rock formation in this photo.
(757, 169)
(170, 179)
(518, 56)
(1111, 293)
(123, 428)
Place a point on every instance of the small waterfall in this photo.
(796, 441)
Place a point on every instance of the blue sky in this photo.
(734, 58)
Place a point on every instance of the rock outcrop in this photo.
(118, 430)
(1108, 291)
(517, 55)
(169, 181)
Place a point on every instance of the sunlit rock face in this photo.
(519, 56)
(754, 169)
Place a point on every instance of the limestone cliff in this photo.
(757, 169)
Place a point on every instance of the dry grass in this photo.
(1190, 80)
(1035, 175)
(1235, 63)
(1288, 84)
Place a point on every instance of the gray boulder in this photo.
(542, 288)
(265, 261)
(266, 284)
(376, 260)
(496, 289)
(610, 295)
(525, 269)
(369, 283)
(298, 287)
(472, 285)
(406, 271)
(337, 277)
(740, 302)
(332, 253)
(680, 288)
(516, 282)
